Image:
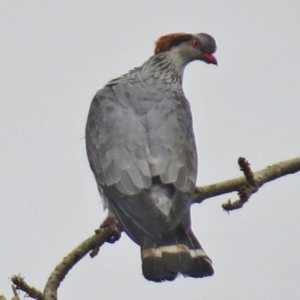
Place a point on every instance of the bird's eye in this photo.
(195, 43)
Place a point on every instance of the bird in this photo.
(141, 148)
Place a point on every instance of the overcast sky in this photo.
(54, 56)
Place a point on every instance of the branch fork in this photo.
(245, 191)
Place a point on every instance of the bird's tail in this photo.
(179, 253)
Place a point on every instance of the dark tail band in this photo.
(183, 256)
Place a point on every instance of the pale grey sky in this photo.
(54, 56)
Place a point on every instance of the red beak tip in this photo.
(210, 59)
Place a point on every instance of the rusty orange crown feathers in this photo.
(166, 42)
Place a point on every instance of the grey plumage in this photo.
(141, 148)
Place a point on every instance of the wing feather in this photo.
(128, 143)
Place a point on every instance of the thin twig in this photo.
(245, 191)
(20, 284)
(16, 295)
(246, 169)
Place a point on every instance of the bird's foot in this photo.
(111, 223)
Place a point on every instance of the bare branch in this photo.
(108, 231)
(20, 284)
(62, 269)
(245, 167)
(105, 234)
(16, 295)
(260, 178)
(244, 191)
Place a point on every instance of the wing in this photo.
(116, 144)
(129, 142)
(132, 139)
(171, 143)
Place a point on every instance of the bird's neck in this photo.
(167, 66)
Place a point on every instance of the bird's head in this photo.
(199, 46)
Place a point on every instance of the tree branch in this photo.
(61, 270)
(107, 233)
(260, 178)
(16, 295)
(20, 284)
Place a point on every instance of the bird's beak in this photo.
(209, 58)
